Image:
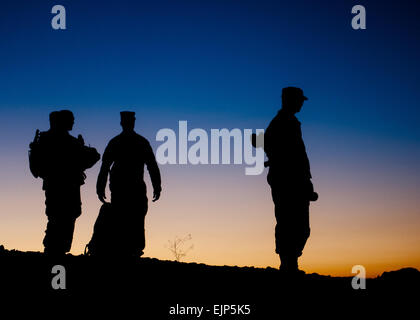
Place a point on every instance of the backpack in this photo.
(102, 242)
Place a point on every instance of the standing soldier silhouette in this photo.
(60, 160)
(290, 179)
(124, 159)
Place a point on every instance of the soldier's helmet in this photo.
(54, 120)
(128, 115)
(293, 94)
(66, 119)
(128, 118)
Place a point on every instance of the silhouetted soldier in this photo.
(60, 160)
(290, 179)
(124, 159)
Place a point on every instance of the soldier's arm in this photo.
(271, 140)
(154, 172)
(103, 173)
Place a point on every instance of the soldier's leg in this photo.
(284, 230)
(142, 230)
(67, 229)
(62, 209)
(131, 211)
(72, 209)
(52, 210)
(138, 232)
(51, 234)
(297, 225)
(286, 241)
(121, 224)
(59, 235)
(277, 213)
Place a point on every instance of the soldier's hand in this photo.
(156, 195)
(314, 196)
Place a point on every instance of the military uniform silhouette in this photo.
(60, 161)
(124, 159)
(290, 179)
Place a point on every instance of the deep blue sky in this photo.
(215, 63)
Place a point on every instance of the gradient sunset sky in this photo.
(222, 64)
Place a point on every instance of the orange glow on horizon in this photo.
(233, 225)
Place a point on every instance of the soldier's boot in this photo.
(289, 264)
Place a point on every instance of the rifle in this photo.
(36, 139)
(33, 155)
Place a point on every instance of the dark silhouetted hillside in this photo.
(153, 286)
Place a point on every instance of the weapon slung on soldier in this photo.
(36, 139)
